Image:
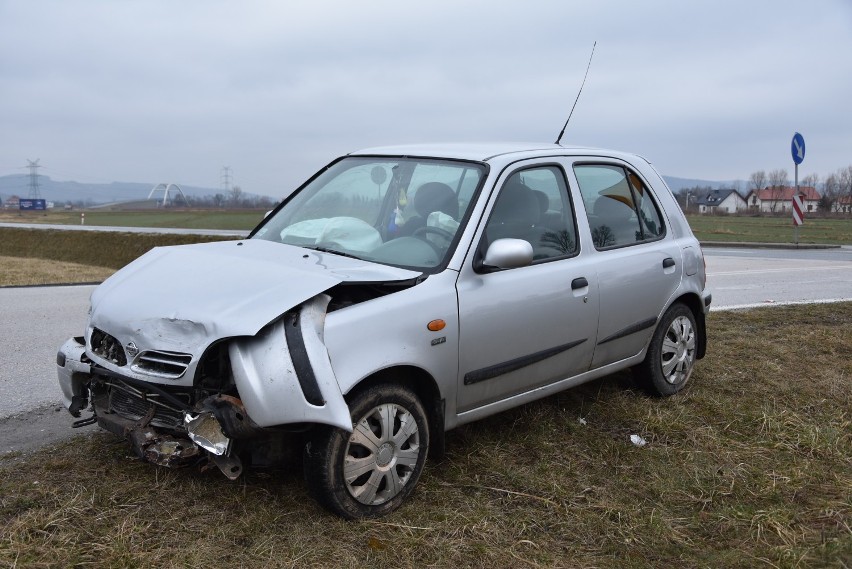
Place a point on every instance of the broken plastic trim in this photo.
(205, 431)
(301, 363)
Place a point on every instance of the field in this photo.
(111, 250)
(834, 231)
(751, 466)
(188, 219)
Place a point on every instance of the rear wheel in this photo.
(370, 471)
(671, 355)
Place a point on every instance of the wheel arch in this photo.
(424, 386)
(696, 306)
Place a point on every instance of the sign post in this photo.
(797, 149)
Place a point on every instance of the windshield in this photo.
(404, 212)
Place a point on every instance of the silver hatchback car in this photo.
(397, 294)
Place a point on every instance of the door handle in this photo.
(579, 283)
(668, 262)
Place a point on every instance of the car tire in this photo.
(372, 470)
(672, 353)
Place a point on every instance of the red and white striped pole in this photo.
(798, 217)
(798, 149)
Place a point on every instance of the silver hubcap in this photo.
(381, 455)
(678, 350)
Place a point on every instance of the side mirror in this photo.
(508, 254)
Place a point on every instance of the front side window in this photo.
(619, 206)
(533, 205)
(398, 211)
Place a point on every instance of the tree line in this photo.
(835, 186)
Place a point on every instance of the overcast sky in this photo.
(166, 91)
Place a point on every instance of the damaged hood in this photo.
(183, 298)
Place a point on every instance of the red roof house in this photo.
(779, 199)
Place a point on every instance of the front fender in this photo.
(283, 374)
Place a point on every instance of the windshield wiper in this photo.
(333, 251)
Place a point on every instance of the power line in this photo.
(34, 191)
(225, 179)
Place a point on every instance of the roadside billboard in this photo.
(33, 205)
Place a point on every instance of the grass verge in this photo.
(16, 271)
(187, 219)
(751, 466)
(101, 249)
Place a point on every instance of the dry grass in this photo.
(770, 229)
(750, 467)
(17, 271)
(102, 249)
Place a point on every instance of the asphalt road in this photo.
(755, 277)
(35, 321)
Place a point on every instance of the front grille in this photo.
(135, 404)
(170, 365)
(108, 347)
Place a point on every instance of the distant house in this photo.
(715, 201)
(842, 204)
(779, 199)
(13, 202)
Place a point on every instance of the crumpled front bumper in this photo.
(282, 375)
(200, 434)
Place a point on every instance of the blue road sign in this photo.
(798, 148)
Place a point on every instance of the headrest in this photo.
(517, 204)
(436, 196)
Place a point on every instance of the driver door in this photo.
(526, 327)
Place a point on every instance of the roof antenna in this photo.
(578, 94)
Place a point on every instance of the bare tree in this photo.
(236, 194)
(778, 180)
(844, 181)
(811, 180)
(830, 192)
(756, 182)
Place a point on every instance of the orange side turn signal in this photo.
(436, 325)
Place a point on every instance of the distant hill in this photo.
(61, 192)
(677, 184)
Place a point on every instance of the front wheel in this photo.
(370, 471)
(671, 354)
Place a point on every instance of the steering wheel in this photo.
(422, 231)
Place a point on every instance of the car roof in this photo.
(484, 152)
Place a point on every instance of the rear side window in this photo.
(619, 206)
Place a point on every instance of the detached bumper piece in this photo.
(135, 415)
(165, 430)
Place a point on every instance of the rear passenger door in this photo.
(638, 265)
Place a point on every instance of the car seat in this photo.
(611, 223)
(431, 197)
